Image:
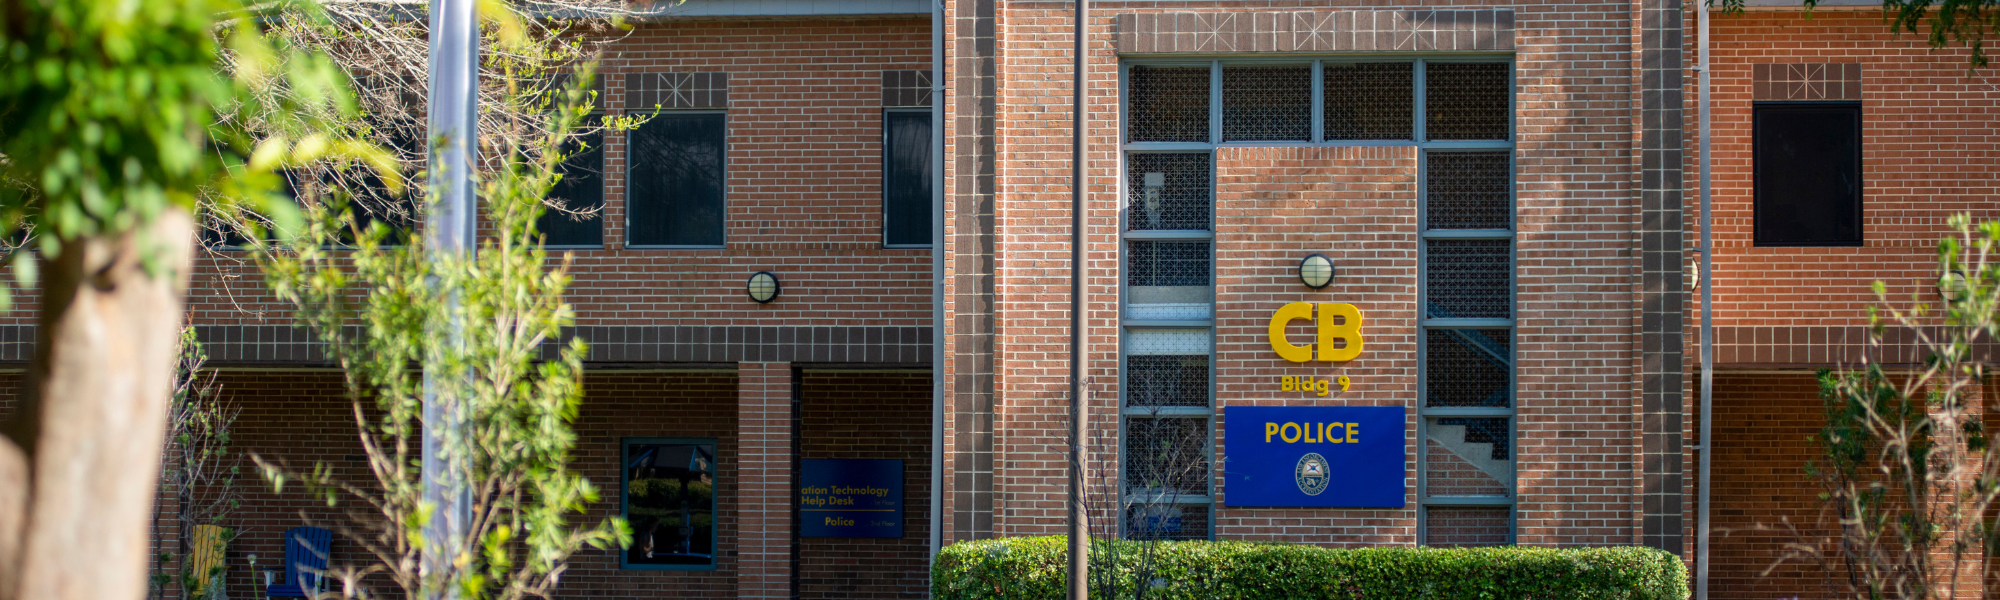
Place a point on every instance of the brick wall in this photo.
(1761, 424)
(1577, 214)
(804, 188)
(1930, 148)
(302, 417)
(1273, 206)
(851, 415)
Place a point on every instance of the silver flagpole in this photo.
(448, 233)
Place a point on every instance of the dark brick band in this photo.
(1662, 292)
(1339, 31)
(287, 345)
(643, 91)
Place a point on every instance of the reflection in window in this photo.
(906, 178)
(670, 503)
(675, 192)
(581, 190)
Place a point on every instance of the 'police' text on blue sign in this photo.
(1333, 456)
(850, 498)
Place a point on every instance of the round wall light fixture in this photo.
(1316, 271)
(1951, 286)
(762, 287)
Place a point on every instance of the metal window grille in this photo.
(1176, 341)
(1166, 104)
(1368, 101)
(1266, 103)
(1155, 263)
(1466, 101)
(1467, 190)
(1166, 521)
(1467, 526)
(1166, 380)
(1167, 191)
(1467, 279)
(1166, 459)
(1467, 368)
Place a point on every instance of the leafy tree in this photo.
(372, 297)
(106, 123)
(1907, 475)
(1942, 22)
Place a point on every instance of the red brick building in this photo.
(1506, 194)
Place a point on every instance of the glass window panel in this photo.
(1163, 342)
(1155, 263)
(1468, 190)
(1368, 101)
(1267, 103)
(1151, 521)
(580, 190)
(906, 178)
(1166, 459)
(1466, 526)
(670, 503)
(1166, 104)
(1807, 163)
(1166, 380)
(1466, 101)
(1168, 191)
(675, 194)
(1467, 456)
(1467, 279)
(1468, 368)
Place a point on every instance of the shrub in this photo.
(1034, 568)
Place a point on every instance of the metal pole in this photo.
(448, 235)
(1079, 540)
(1707, 445)
(937, 276)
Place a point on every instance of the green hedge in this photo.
(1034, 568)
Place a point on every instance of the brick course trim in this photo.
(1337, 31)
(288, 345)
(906, 89)
(676, 90)
(1806, 81)
(1663, 284)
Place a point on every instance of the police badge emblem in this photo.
(1311, 474)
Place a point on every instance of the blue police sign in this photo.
(851, 498)
(1318, 456)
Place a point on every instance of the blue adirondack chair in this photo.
(306, 551)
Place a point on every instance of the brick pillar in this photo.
(764, 473)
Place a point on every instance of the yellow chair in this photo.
(206, 576)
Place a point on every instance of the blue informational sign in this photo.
(851, 498)
(1317, 456)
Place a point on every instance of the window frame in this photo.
(1860, 216)
(627, 196)
(625, 501)
(886, 111)
(1418, 139)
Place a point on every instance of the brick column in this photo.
(764, 475)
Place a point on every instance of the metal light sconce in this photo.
(1316, 271)
(762, 287)
(1951, 286)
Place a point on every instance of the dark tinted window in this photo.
(222, 231)
(1808, 174)
(674, 185)
(582, 189)
(906, 178)
(670, 503)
